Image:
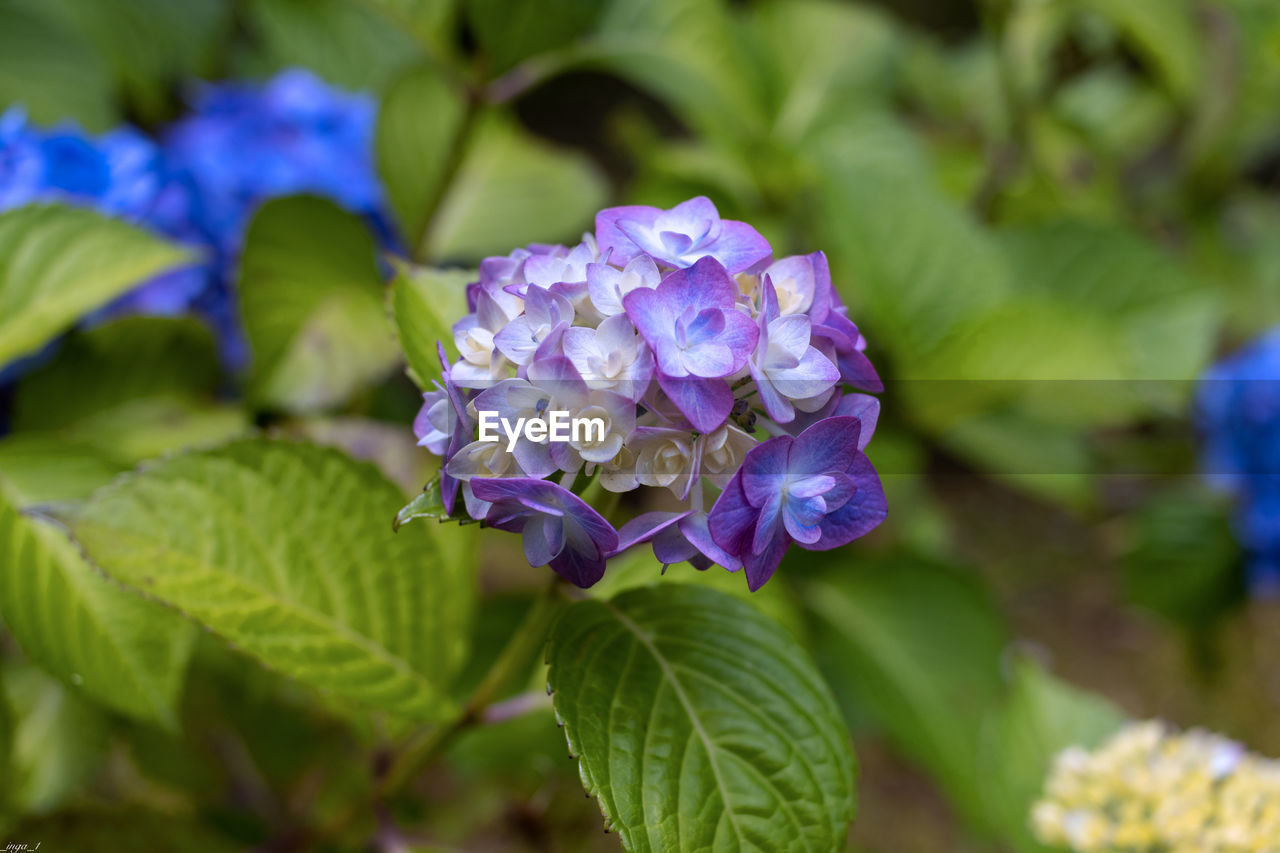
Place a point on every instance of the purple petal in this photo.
(760, 567)
(732, 519)
(704, 285)
(856, 369)
(828, 446)
(764, 470)
(696, 530)
(705, 402)
(644, 527)
(610, 238)
(866, 409)
(740, 246)
(863, 512)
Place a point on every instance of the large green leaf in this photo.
(425, 304)
(512, 189)
(312, 300)
(286, 550)
(420, 126)
(59, 263)
(1041, 717)
(700, 725)
(128, 653)
(916, 647)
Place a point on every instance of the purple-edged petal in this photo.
(705, 402)
(740, 246)
(611, 239)
(732, 519)
(696, 530)
(764, 470)
(861, 513)
(645, 527)
(866, 409)
(856, 369)
(827, 446)
(706, 284)
(760, 567)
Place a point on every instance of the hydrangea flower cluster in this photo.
(241, 145)
(721, 378)
(1152, 789)
(1238, 412)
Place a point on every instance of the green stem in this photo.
(425, 746)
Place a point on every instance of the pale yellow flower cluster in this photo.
(1151, 789)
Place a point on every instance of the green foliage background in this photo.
(1047, 217)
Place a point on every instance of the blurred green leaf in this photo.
(43, 468)
(1042, 717)
(312, 300)
(286, 550)
(849, 53)
(511, 30)
(425, 303)
(148, 45)
(1165, 32)
(128, 653)
(419, 135)
(127, 390)
(698, 723)
(59, 263)
(8, 724)
(686, 55)
(59, 741)
(916, 646)
(107, 830)
(513, 189)
(52, 72)
(1184, 561)
(344, 41)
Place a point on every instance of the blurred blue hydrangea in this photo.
(1238, 413)
(120, 174)
(240, 145)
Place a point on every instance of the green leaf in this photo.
(428, 504)
(148, 45)
(128, 653)
(59, 263)
(8, 724)
(916, 647)
(59, 741)
(1165, 31)
(513, 189)
(425, 303)
(700, 725)
(130, 389)
(42, 468)
(345, 42)
(1184, 560)
(511, 30)
(1042, 717)
(312, 300)
(286, 551)
(51, 71)
(420, 127)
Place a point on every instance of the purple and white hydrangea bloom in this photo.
(723, 380)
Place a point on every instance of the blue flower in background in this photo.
(244, 144)
(1238, 411)
(241, 145)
